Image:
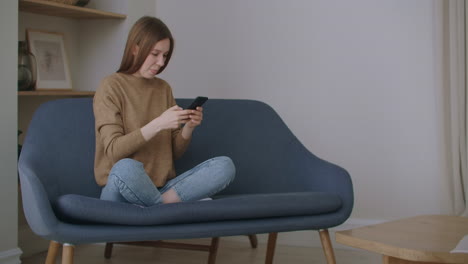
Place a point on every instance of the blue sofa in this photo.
(280, 186)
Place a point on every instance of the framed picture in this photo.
(53, 72)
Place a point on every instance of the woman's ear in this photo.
(135, 50)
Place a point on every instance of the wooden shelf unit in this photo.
(50, 8)
(56, 93)
(62, 10)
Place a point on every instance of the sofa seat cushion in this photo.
(77, 208)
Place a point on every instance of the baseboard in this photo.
(357, 222)
(310, 238)
(29, 242)
(11, 256)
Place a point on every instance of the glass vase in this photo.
(27, 68)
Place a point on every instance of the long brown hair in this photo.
(144, 34)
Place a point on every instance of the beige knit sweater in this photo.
(122, 105)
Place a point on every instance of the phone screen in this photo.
(199, 101)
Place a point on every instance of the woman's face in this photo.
(155, 60)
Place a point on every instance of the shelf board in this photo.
(55, 93)
(62, 10)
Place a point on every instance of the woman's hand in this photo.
(172, 118)
(196, 117)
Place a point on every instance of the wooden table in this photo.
(425, 239)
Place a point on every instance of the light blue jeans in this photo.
(128, 182)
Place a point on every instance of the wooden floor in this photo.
(229, 252)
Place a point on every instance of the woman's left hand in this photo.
(196, 117)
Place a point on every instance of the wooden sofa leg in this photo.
(271, 248)
(213, 250)
(67, 254)
(108, 250)
(52, 252)
(327, 246)
(253, 241)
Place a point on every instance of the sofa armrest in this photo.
(37, 207)
(323, 176)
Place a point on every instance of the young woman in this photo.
(140, 130)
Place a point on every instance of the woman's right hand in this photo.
(172, 118)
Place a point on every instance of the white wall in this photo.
(359, 82)
(8, 135)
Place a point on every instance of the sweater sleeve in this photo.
(107, 106)
(179, 144)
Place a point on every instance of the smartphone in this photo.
(199, 101)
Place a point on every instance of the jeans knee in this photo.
(228, 167)
(125, 167)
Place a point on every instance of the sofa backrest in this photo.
(60, 141)
(253, 135)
